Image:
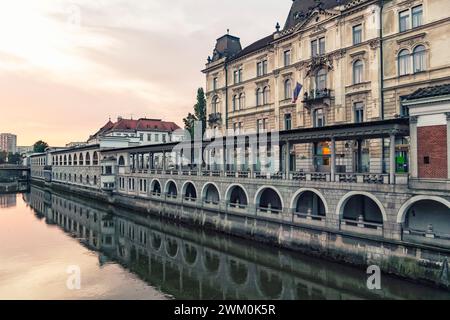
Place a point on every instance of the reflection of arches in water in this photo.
(156, 242)
(190, 254)
(212, 261)
(270, 285)
(238, 272)
(172, 247)
(428, 216)
(211, 194)
(305, 293)
(361, 206)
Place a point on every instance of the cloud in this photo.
(72, 64)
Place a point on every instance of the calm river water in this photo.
(46, 239)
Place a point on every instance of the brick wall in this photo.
(432, 144)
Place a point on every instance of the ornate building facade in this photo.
(336, 51)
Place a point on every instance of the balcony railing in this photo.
(316, 95)
(214, 118)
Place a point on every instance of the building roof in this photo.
(142, 124)
(301, 8)
(430, 92)
(258, 45)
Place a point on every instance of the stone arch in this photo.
(401, 217)
(302, 191)
(190, 254)
(211, 261)
(238, 272)
(171, 188)
(156, 187)
(189, 190)
(156, 241)
(81, 159)
(95, 159)
(232, 194)
(268, 196)
(269, 284)
(344, 200)
(211, 193)
(87, 159)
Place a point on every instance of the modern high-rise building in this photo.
(8, 142)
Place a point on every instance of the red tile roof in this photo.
(142, 124)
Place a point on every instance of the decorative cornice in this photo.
(412, 39)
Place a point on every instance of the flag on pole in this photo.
(297, 91)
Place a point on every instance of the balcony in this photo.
(215, 118)
(317, 96)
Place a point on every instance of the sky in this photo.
(66, 67)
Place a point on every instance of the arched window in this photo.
(419, 58)
(95, 180)
(87, 180)
(241, 101)
(65, 160)
(95, 159)
(404, 63)
(215, 104)
(235, 102)
(121, 161)
(81, 159)
(358, 72)
(75, 160)
(70, 159)
(321, 79)
(266, 92)
(88, 159)
(259, 98)
(288, 89)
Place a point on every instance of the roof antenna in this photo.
(228, 31)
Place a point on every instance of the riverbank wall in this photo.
(416, 262)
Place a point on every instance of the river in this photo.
(58, 246)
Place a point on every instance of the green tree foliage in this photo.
(14, 158)
(198, 115)
(40, 146)
(3, 156)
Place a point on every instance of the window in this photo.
(287, 58)
(357, 72)
(235, 102)
(141, 137)
(259, 125)
(322, 46)
(215, 80)
(419, 58)
(164, 138)
(259, 97)
(266, 91)
(157, 137)
(359, 112)
(321, 79)
(404, 63)
(215, 104)
(287, 89)
(236, 76)
(240, 75)
(417, 14)
(149, 137)
(357, 34)
(404, 20)
(319, 118)
(314, 48)
(287, 121)
(241, 101)
(261, 68)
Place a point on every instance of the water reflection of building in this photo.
(189, 264)
(7, 200)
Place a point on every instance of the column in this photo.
(333, 159)
(287, 159)
(392, 159)
(448, 144)
(164, 161)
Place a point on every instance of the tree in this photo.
(3, 156)
(199, 114)
(14, 158)
(40, 146)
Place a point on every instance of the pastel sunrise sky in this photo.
(67, 66)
